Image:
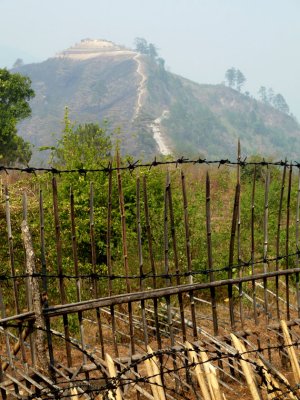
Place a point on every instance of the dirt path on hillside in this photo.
(157, 135)
(142, 87)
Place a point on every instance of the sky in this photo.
(199, 39)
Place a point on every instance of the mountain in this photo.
(156, 111)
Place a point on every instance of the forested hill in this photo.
(156, 111)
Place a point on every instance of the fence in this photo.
(141, 270)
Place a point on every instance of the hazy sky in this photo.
(199, 39)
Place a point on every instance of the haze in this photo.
(199, 39)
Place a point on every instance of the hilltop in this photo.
(157, 111)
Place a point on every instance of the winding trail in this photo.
(155, 125)
(142, 87)
(157, 135)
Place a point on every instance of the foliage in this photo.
(235, 78)
(277, 101)
(15, 93)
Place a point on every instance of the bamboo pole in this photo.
(211, 376)
(278, 239)
(156, 374)
(287, 238)
(113, 393)
(265, 249)
(140, 255)
(291, 351)
(167, 270)
(297, 243)
(125, 252)
(60, 269)
(239, 260)
(151, 256)
(176, 262)
(76, 270)
(231, 254)
(29, 288)
(188, 253)
(12, 269)
(249, 375)
(44, 279)
(96, 291)
(39, 348)
(209, 257)
(109, 261)
(253, 244)
(199, 373)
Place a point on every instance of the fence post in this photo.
(40, 348)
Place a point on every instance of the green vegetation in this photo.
(15, 93)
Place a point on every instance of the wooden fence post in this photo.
(40, 348)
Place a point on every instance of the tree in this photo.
(280, 104)
(18, 63)
(141, 45)
(239, 79)
(85, 146)
(263, 95)
(15, 93)
(152, 51)
(230, 77)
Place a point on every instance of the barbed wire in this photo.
(132, 165)
(121, 380)
(98, 276)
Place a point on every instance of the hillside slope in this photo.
(156, 111)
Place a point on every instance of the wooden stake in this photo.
(253, 244)
(287, 238)
(231, 254)
(249, 375)
(278, 239)
(209, 256)
(291, 351)
(199, 374)
(60, 269)
(188, 253)
(266, 219)
(116, 393)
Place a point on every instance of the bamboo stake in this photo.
(60, 269)
(28, 284)
(12, 269)
(211, 376)
(156, 373)
(249, 375)
(240, 272)
(253, 244)
(231, 254)
(96, 293)
(199, 374)
(209, 256)
(152, 262)
(297, 242)
(39, 349)
(76, 270)
(151, 379)
(188, 253)
(140, 255)
(176, 262)
(108, 260)
(278, 239)
(168, 279)
(291, 351)
(125, 252)
(288, 209)
(116, 393)
(266, 217)
(44, 279)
